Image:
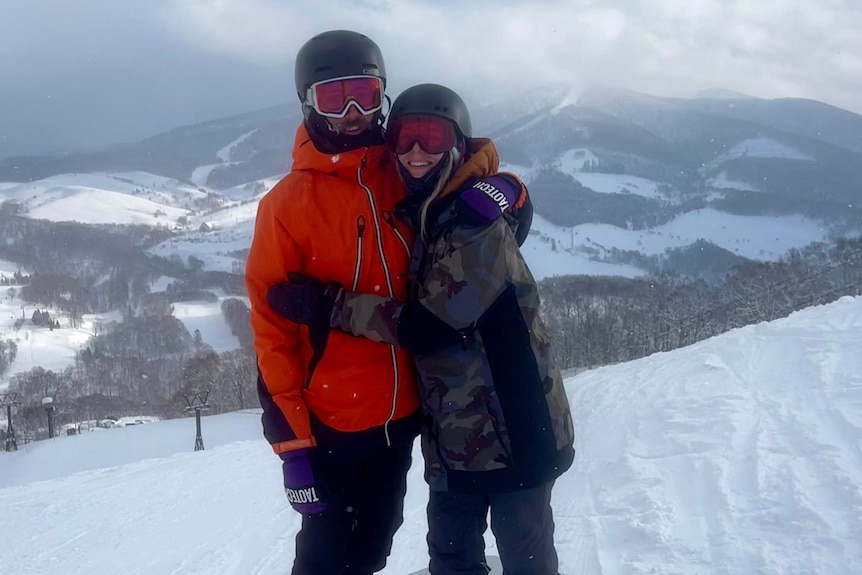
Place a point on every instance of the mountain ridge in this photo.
(574, 151)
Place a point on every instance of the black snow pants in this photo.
(522, 523)
(365, 508)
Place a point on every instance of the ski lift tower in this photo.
(9, 400)
(197, 402)
(48, 404)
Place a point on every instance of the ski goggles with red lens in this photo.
(333, 98)
(434, 134)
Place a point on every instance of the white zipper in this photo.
(377, 229)
(391, 221)
(360, 232)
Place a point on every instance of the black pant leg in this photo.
(323, 540)
(523, 525)
(456, 524)
(379, 508)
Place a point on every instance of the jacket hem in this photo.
(510, 478)
(346, 446)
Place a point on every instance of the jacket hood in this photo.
(482, 160)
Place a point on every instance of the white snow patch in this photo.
(764, 238)
(620, 184)
(761, 148)
(573, 161)
(100, 198)
(722, 181)
(201, 173)
(207, 318)
(224, 153)
(161, 284)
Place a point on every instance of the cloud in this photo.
(152, 54)
(769, 48)
(79, 75)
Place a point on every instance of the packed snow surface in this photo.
(741, 454)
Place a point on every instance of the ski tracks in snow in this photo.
(707, 471)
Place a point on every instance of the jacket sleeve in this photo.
(281, 369)
(458, 290)
(468, 277)
(410, 326)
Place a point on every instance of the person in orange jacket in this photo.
(342, 412)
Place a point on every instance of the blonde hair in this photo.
(451, 160)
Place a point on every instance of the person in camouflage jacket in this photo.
(497, 427)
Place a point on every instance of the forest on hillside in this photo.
(147, 363)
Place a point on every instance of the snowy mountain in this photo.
(224, 152)
(658, 174)
(624, 184)
(739, 454)
(102, 198)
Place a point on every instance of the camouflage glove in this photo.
(304, 300)
(487, 199)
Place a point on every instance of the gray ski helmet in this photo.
(434, 100)
(335, 54)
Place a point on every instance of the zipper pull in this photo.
(389, 218)
(360, 226)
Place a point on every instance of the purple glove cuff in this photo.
(490, 197)
(299, 485)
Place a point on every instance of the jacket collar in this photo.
(307, 157)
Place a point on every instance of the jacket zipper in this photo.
(360, 232)
(375, 220)
(389, 219)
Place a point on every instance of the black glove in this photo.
(303, 299)
(306, 300)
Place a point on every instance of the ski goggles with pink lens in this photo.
(434, 134)
(333, 98)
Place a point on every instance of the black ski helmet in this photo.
(335, 54)
(434, 100)
(330, 55)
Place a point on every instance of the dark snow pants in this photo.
(522, 523)
(365, 507)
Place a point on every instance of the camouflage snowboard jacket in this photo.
(496, 416)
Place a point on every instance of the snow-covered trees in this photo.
(600, 320)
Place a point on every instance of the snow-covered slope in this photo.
(740, 454)
(121, 198)
(55, 349)
(219, 236)
(52, 349)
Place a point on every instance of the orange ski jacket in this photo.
(330, 218)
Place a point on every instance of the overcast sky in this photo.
(77, 74)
